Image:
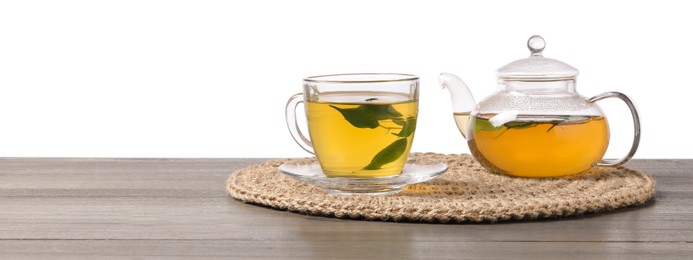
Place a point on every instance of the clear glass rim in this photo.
(362, 78)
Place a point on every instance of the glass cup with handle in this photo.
(360, 125)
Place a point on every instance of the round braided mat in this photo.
(465, 193)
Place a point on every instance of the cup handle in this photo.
(636, 127)
(300, 139)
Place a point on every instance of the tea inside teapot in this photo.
(539, 146)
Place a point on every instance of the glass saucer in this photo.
(412, 173)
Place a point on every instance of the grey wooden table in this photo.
(179, 208)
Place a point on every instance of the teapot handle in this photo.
(300, 139)
(636, 127)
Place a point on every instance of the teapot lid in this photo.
(536, 66)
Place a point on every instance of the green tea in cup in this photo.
(360, 125)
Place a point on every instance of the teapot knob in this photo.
(536, 45)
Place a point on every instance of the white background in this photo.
(211, 78)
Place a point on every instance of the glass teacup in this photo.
(360, 125)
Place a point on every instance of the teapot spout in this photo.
(462, 100)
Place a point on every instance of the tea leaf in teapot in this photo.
(554, 124)
(381, 111)
(516, 125)
(358, 117)
(389, 154)
(483, 125)
(519, 125)
(408, 128)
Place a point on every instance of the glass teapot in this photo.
(536, 124)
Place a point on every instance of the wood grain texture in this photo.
(178, 208)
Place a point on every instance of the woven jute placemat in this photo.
(465, 193)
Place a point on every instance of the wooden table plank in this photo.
(226, 249)
(86, 208)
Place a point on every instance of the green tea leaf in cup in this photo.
(381, 111)
(399, 121)
(389, 154)
(358, 117)
(408, 128)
